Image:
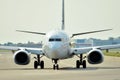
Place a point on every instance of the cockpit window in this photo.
(58, 39)
(51, 39)
(55, 39)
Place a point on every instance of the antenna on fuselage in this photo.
(63, 16)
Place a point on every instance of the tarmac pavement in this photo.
(108, 70)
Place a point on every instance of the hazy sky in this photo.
(45, 15)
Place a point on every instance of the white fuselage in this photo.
(57, 45)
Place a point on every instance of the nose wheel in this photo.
(55, 65)
(38, 63)
(81, 62)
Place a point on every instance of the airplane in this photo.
(57, 47)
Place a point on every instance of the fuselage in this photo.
(57, 45)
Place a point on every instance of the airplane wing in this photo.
(83, 50)
(31, 32)
(30, 50)
(89, 32)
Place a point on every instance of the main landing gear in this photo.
(81, 62)
(38, 62)
(55, 66)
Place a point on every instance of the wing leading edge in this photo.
(87, 49)
(31, 32)
(30, 50)
(90, 32)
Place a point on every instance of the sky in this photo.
(45, 15)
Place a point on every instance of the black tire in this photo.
(57, 67)
(42, 64)
(84, 63)
(54, 67)
(35, 65)
(77, 64)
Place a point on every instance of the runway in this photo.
(108, 70)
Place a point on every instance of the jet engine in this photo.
(95, 56)
(21, 57)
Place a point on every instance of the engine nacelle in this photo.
(95, 56)
(21, 57)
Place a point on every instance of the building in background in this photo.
(77, 43)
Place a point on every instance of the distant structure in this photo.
(75, 43)
(82, 43)
(94, 42)
(28, 44)
(110, 41)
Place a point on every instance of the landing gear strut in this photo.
(55, 66)
(81, 62)
(38, 62)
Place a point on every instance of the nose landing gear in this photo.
(81, 62)
(55, 66)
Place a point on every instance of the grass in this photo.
(4, 50)
(111, 53)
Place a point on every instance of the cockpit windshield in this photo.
(55, 39)
(51, 39)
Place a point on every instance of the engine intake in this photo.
(22, 57)
(95, 56)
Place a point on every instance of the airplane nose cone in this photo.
(54, 50)
(54, 47)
